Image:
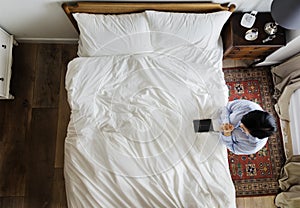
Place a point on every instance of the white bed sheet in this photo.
(131, 141)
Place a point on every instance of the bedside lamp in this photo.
(286, 13)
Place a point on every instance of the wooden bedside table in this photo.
(237, 47)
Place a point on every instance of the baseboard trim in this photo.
(47, 40)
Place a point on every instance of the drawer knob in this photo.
(4, 46)
(2, 79)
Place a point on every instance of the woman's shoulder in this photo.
(246, 103)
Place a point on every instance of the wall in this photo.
(45, 21)
(36, 20)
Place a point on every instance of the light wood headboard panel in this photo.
(130, 7)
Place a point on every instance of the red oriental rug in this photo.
(255, 174)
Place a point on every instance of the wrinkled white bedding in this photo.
(131, 141)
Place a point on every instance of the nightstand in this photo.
(237, 47)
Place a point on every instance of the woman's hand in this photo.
(227, 128)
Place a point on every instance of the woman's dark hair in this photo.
(260, 124)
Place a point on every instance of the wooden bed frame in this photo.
(131, 7)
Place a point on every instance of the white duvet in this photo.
(131, 140)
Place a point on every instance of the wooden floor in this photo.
(33, 128)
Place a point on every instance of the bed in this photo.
(144, 72)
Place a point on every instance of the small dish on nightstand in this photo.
(251, 34)
(270, 28)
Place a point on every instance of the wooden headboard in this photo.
(130, 7)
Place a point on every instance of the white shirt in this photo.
(239, 142)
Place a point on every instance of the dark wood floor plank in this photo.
(47, 82)
(68, 53)
(14, 121)
(41, 152)
(59, 199)
(22, 82)
(11, 202)
(13, 169)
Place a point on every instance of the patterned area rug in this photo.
(255, 174)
